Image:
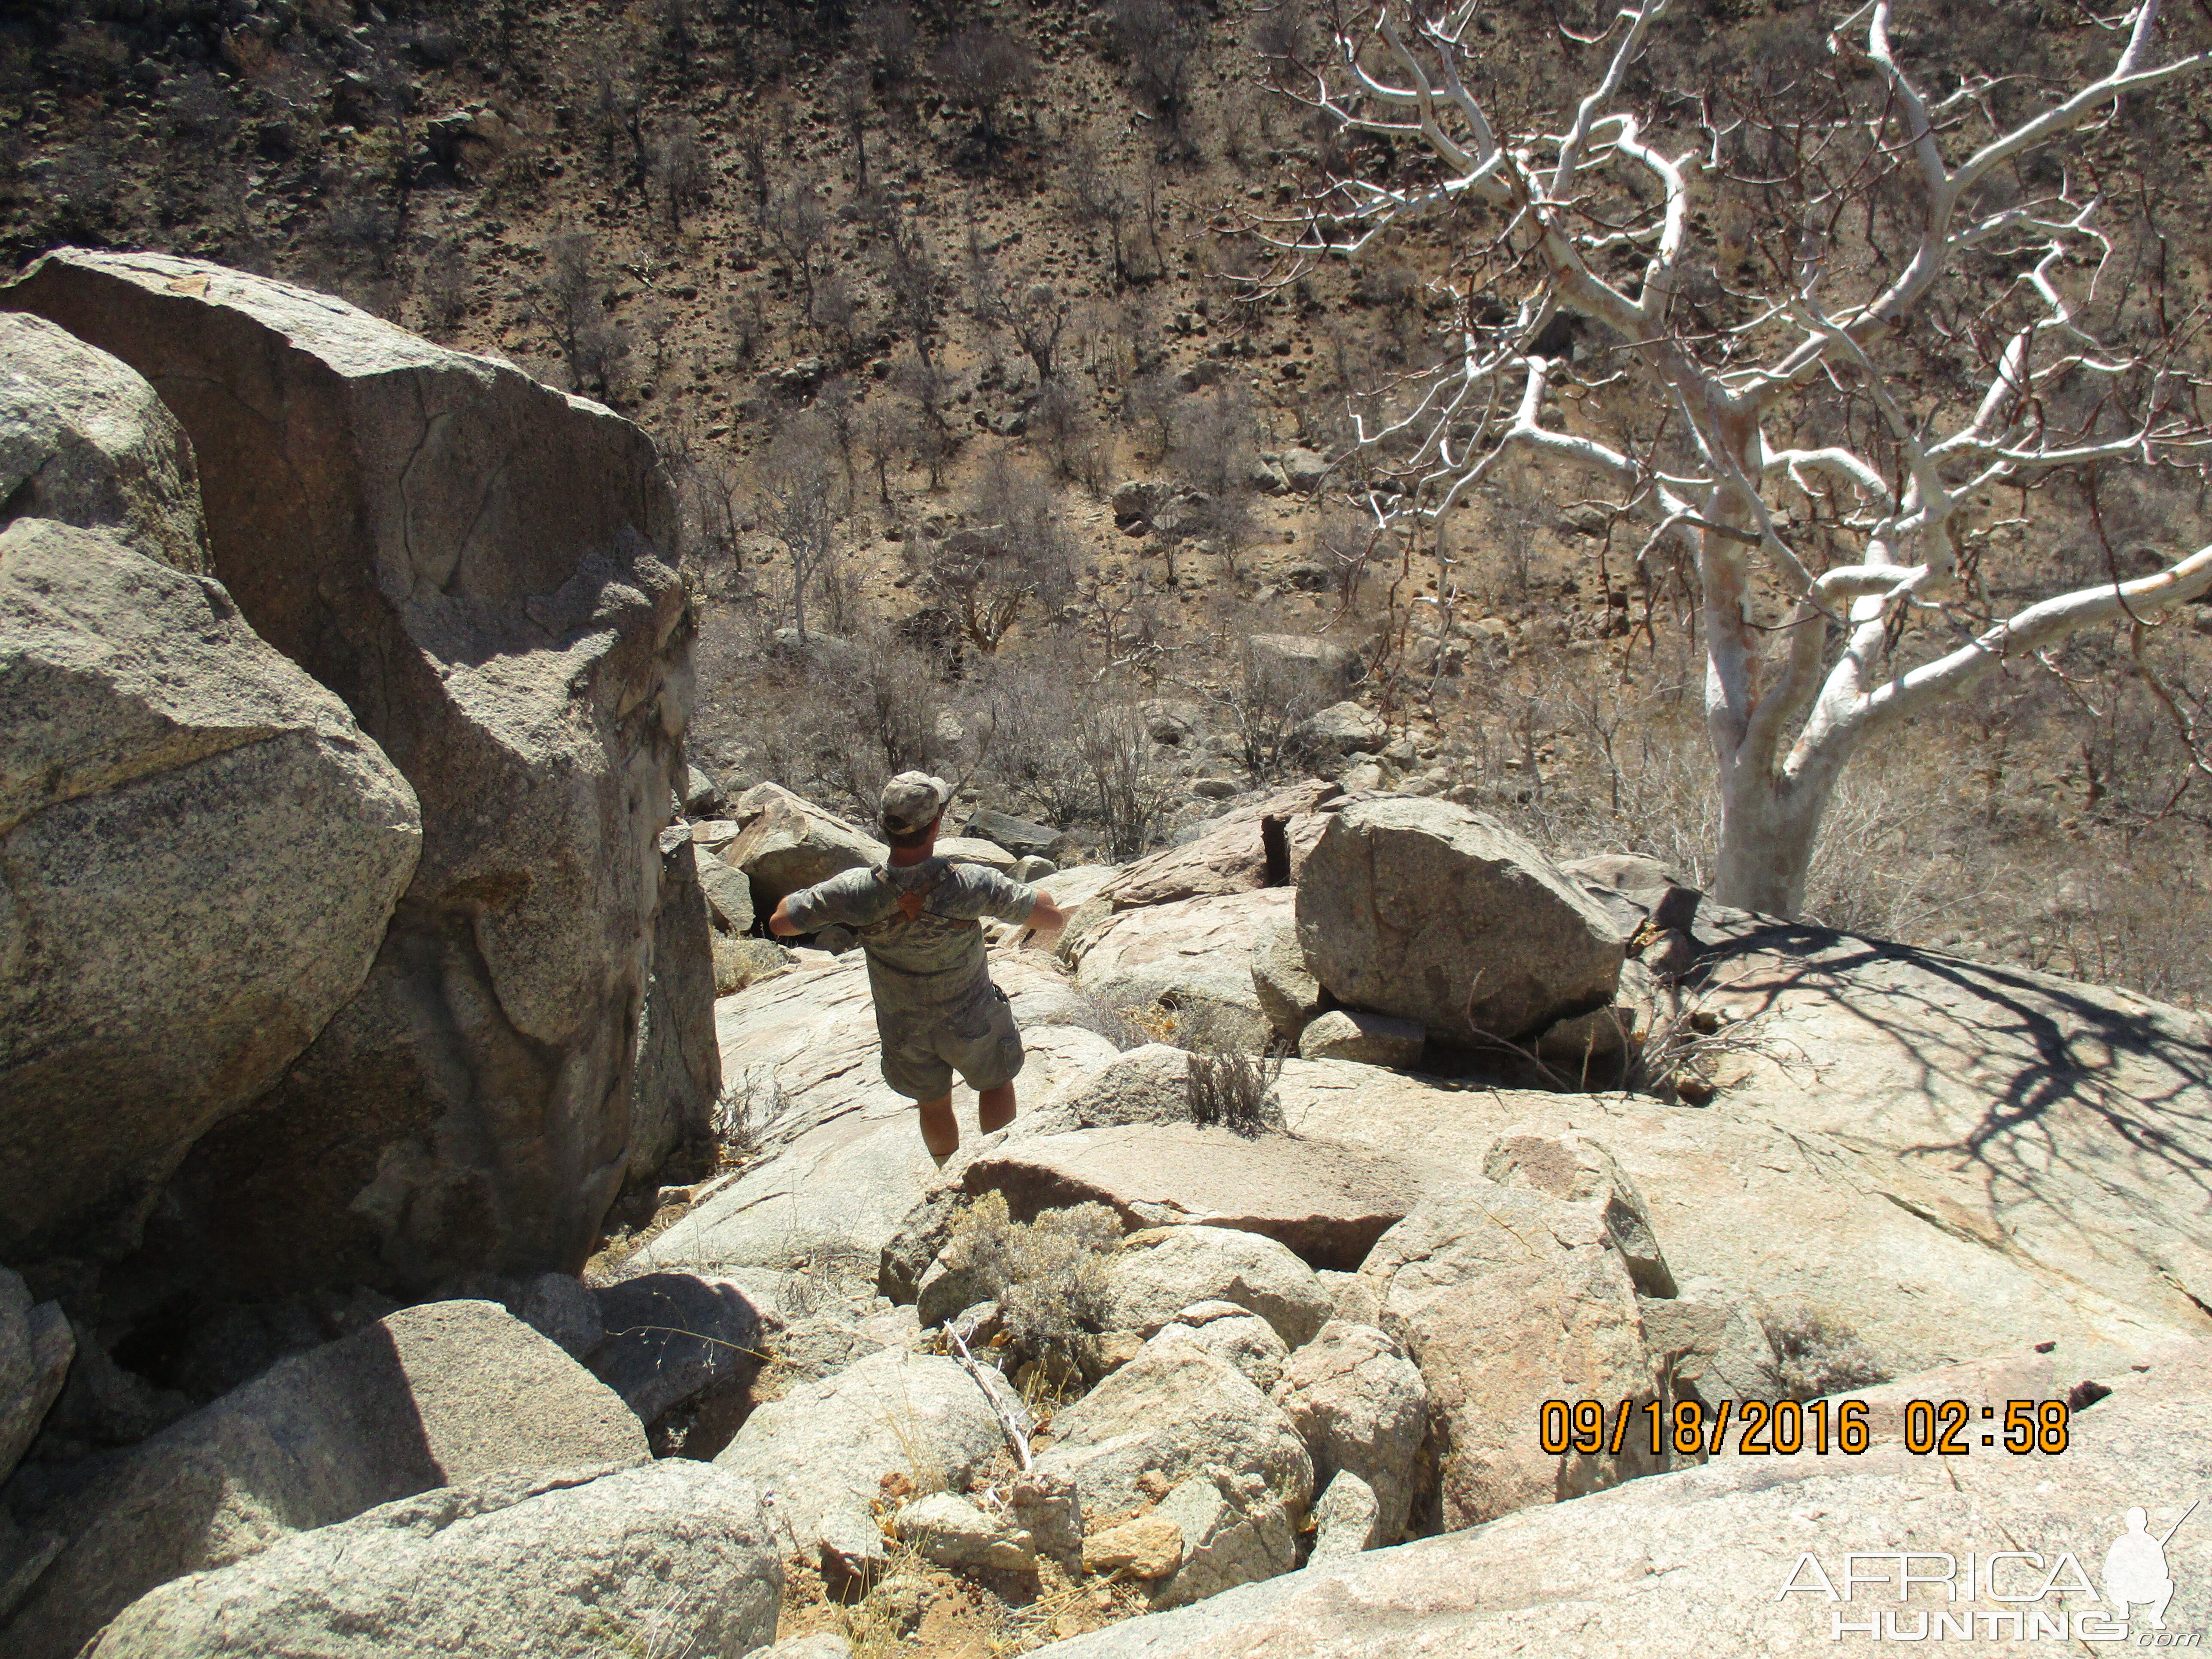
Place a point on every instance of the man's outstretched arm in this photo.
(779, 922)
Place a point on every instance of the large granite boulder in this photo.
(203, 851)
(1436, 914)
(1696, 1563)
(1018, 835)
(787, 843)
(673, 1558)
(84, 440)
(435, 1396)
(484, 571)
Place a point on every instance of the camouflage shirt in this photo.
(920, 926)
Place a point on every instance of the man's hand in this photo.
(1046, 920)
(780, 923)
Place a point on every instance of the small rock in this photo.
(1347, 1519)
(1234, 1531)
(953, 1532)
(1228, 1331)
(1048, 1509)
(1150, 1546)
(1370, 1039)
(1157, 1274)
(1360, 1405)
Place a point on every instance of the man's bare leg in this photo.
(940, 1130)
(994, 1108)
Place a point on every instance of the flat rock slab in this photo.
(434, 1396)
(1327, 1201)
(1690, 1565)
(676, 1556)
(2064, 1125)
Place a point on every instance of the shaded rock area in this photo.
(483, 572)
(675, 1557)
(432, 1397)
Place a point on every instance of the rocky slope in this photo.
(354, 670)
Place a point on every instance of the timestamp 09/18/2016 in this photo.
(1761, 1428)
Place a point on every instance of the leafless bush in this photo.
(1037, 315)
(591, 345)
(1014, 557)
(1815, 1355)
(682, 173)
(1101, 199)
(984, 69)
(1070, 434)
(797, 222)
(1158, 45)
(441, 285)
(892, 37)
(1262, 710)
(799, 503)
(1235, 1089)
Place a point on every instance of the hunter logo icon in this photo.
(2135, 1567)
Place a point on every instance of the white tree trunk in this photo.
(1769, 827)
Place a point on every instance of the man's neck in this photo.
(904, 858)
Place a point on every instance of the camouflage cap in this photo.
(912, 801)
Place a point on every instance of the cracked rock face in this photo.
(484, 570)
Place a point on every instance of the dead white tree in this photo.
(1834, 313)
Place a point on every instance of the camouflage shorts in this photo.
(979, 1041)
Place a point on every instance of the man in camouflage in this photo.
(919, 920)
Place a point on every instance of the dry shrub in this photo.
(1235, 1090)
(1814, 1354)
(1048, 1276)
